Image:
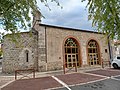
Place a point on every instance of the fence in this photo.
(24, 73)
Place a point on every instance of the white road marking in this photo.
(91, 81)
(113, 70)
(115, 78)
(61, 82)
(6, 84)
(95, 75)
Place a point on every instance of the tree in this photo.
(14, 14)
(1, 53)
(105, 14)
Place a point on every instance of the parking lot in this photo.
(107, 84)
(111, 82)
(102, 79)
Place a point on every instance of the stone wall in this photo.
(14, 56)
(42, 64)
(41, 50)
(55, 42)
(46, 48)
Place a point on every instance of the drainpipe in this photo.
(37, 52)
(46, 46)
(110, 49)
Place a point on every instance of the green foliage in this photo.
(105, 14)
(1, 53)
(14, 14)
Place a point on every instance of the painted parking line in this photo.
(112, 69)
(89, 82)
(61, 82)
(95, 75)
(116, 76)
(115, 79)
(6, 84)
(104, 72)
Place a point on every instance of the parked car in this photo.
(1, 60)
(116, 62)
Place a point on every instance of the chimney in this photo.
(36, 17)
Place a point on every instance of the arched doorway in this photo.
(93, 53)
(71, 48)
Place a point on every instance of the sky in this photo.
(74, 14)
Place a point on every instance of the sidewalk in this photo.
(6, 78)
(54, 80)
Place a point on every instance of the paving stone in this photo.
(107, 72)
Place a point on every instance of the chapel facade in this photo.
(50, 47)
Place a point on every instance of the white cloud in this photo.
(74, 14)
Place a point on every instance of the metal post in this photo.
(76, 67)
(15, 75)
(33, 73)
(64, 68)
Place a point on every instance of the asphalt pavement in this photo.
(112, 83)
(101, 79)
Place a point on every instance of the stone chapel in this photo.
(49, 47)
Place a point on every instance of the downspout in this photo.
(46, 46)
(37, 52)
(110, 51)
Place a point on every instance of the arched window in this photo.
(71, 52)
(27, 56)
(93, 53)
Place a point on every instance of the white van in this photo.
(116, 62)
